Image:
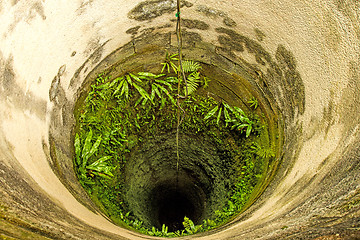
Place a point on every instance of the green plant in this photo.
(208, 224)
(206, 82)
(190, 227)
(253, 103)
(219, 109)
(193, 81)
(241, 121)
(234, 115)
(99, 167)
(263, 152)
(190, 66)
(157, 86)
(102, 78)
(127, 81)
(164, 232)
(169, 63)
(117, 112)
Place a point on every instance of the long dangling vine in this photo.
(181, 73)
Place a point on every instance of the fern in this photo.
(193, 81)
(206, 81)
(101, 168)
(89, 149)
(253, 103)
(209, 224)
(158, 87)
(169, 63)
(190, 227)
(127, 81)
(263, 152)
(190, 66)
(211, 112)
(241, 122)
(82, 154)
(219, 109)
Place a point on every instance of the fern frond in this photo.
(188, 224)
(190, 66)
(206, 81)
(253, 103)
(191, 87)
(193, 81)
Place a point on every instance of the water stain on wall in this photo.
(95, 56)
(83, 6)
(260, 35)
(133, 31)
(94, 48)
(55, 83)
(193, 24)
(10, 91)
(281, 78)
(148, 10)
(293, 83)
(328, 114)
(331, 32)
(233, 38)
(350, 98)
(14, 2)
(214, 13)
(350, 10)
(26, 11)
(37, 9)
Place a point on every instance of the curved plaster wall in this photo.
(304, 59)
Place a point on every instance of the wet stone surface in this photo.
(152, 180)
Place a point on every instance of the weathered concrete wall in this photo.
(303, 55)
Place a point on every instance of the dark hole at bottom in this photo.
(173, 207)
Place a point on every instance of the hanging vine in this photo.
(181, 74)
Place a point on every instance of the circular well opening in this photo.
(149, 182)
